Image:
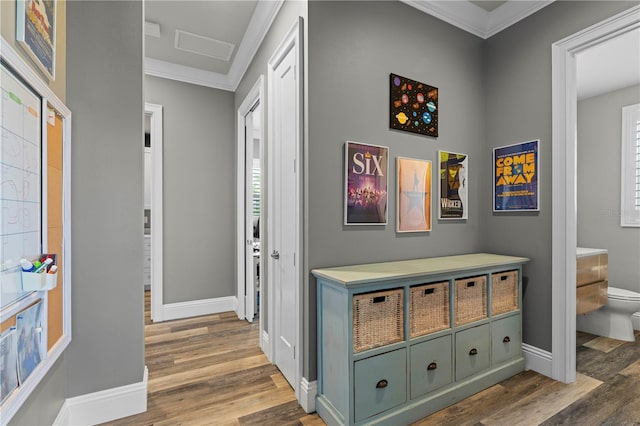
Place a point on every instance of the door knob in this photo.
(275, 254)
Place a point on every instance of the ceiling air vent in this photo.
(204, 46)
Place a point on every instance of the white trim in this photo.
(255, 94)
(200, 77)
(265, 345)
(629, 215)
(15, 401)
(157, 150)
(106, 405)
(196, 308)
(475, 20)
(635, 320)
(510, 13)
(308, 392)
(263, 16)
(537, 359)
(564, 228)
(293, 40)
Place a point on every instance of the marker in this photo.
(53, 270)
(26, 265)
(43, 265)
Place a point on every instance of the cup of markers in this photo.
(38, 275)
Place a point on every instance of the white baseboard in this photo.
(196, 308)
(265, 346)
(106, 405)
(635, 319)
(537, 359)
(308, 392)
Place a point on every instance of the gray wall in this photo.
(43, 405)
(104, 92)
(517, 108)
(599, 136)
(107, 347)
(353, 47)
(198, 189)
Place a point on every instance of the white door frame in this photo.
(256, 94)
(564, 148)
(157, 307)
(293, 40)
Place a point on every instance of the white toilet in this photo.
(614, 319)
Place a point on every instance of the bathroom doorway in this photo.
(564, 215)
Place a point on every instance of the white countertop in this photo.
(584, 251)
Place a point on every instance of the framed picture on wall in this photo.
(515, 177)
(36, 32)
(453, 192)
(414, 195)
(365, 199)
(413, 106)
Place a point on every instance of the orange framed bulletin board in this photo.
(35, 158)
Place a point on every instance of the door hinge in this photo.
(294, 352)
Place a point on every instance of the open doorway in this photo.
(251, 289)
(564, 215)
(153, 208)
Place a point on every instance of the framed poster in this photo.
(414, 195)
(36, 32)
(515, 177)
(413, 106)
(366, 181)
(453, 189)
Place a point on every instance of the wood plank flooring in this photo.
(209, 370)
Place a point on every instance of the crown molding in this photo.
(462, 14)
(200, 77)
(512, 12)
(263, 16)
(475, 20)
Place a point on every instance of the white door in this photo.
(251, 121)
(285, 141)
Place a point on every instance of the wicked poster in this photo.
(454, 195)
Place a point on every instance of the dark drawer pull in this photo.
(382, 384)
(473, 351)
(503, 278)
(429, 290)
(471, 284)
(432, 366)
(506, 339)
(379, 299)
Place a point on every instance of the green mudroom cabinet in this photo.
(398, 341)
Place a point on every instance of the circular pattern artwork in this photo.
(413, 106)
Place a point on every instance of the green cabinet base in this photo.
(429, 404)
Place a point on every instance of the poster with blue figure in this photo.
(35, 32)
(515, 177)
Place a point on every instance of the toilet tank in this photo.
(591, 279)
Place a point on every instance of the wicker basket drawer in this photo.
(429, 308)
(470, 299)
(378, 319)
(504, 292)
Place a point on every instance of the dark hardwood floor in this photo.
(209, 370)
